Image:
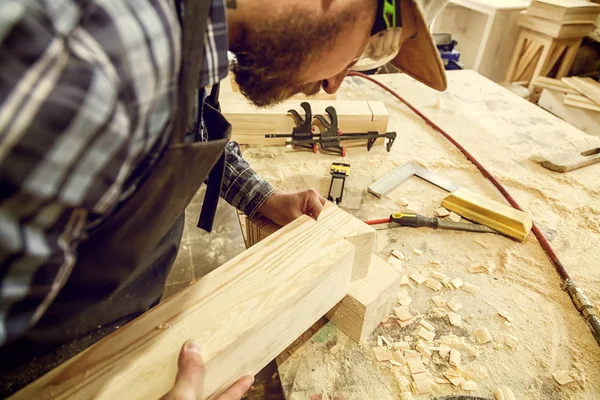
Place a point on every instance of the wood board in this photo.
(250, 124)
(369, 301)
(355, 231)
(553, 84)
(577, 100)
(242, 315)
(586, 86)
(586, 120)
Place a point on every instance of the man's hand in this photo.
(189, 383)
(284, 207)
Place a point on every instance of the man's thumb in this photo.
(190, 377)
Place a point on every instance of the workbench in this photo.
(504, 132)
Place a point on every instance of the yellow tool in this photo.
(339, 172)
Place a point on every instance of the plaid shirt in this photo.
(87, 90)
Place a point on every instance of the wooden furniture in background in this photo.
(550, 34)
(243, 314)
(486, 32)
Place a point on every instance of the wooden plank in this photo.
(501, 217)
(369, 301)
(361, 235)
(554, 84)
(586, 86)
(576, 100)
(586, 120)
(243, 314)
(250, 124)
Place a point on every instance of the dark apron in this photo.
(122, 266)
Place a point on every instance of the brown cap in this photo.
(418, 55)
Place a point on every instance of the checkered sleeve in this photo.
(242, 187)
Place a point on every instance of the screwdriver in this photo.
(421, 221)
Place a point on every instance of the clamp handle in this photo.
(303, 129)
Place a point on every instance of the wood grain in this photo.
(242, 314)
(370, 300)
(361, 235)
(585, 86)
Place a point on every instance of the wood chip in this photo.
(415, 365)
(411, 354)
(468, 287)
(440, 276)
(394, 262)
(404, 324)
(433, 284)
(454, 217)
(562, 377)
(418, 278)
(512, 341)
(401, 346)
(470, 386)
(477, 269)
(421, 386)
(421, 376)
(457, 283)
(439, 300)
(483, 336)
(402, 313)
(417, 252)
(404, 280)
(396, 363)
(444, 350)
(504, 393)
(426, 334)
(382, 354)
(441, 212)
(404, 300)
(427, 325)
(437, 312)
(386, 341)
(454, 380)
(454, 358)
(504, 314)
(454, 305)
(442, 381)
(379, 341)
(424, 350)
(397, 254)
(399, 357)
(455, 319)
(403, 381)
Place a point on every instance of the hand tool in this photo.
(393, 179)
(303, 135)
(339, 172)
(421, 221)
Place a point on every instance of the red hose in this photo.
(562, 272)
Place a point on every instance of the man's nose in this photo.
(331, 85)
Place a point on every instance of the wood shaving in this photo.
(441, 212)
(427, 325)
(394, 262)
(386, 341)
(417, 252)
(562, 377)
(403, 313)
(454, 358)
(440, 276)
(454, 305)
(382, 354)
(424, 350)
(468, 287)
(454, 217)
(444, 350)
(457, 283)
(439, 300)
(512, 341)
(483, 336)
(437, 312)
(426, 334)
(404, 280)
(401, 345)
(470, 386)
(415, 365)
(454, 319)
(505, 315)
(504, 393)
(397, 254)
(418, 278)
(433, 284)
(399, 357)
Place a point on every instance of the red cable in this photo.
(562, 272)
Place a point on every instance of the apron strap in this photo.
(195, 20)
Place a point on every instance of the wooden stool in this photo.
(537, 54)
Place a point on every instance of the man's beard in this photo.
(271, 57)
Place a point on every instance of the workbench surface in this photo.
(503, 132)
